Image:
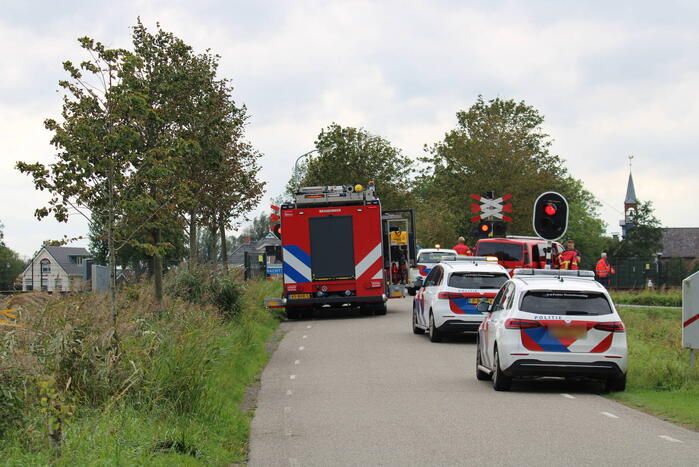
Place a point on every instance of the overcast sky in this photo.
(611, 78)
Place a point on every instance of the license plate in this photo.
(475, 301)
(569, 333)
(298, 296)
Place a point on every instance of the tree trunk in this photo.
(224, 245)
(192, 238)
(214, 255)
(158, 273)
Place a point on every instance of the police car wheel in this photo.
(412, 291)
(616, 384)
(435, 335)
(416, 329)
(480, 374)
(501, 382)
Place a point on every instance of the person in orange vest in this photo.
(462, 249)
(570, 258)
(603, 270)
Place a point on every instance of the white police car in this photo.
(447, 301)
(426, 259)
(552, 323)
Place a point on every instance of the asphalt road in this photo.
(344, 389)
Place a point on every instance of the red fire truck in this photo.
(337, 250)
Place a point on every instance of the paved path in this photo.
(355, 390)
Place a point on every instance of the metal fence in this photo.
(255, 265)
(637, 272)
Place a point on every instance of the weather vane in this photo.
(630, 159)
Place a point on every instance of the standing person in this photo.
(603, 269)
(462, 249)
(570, 258)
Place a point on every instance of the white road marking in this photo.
(289, 392)
(301, 348)
(292, 377)
(287, 409)
(568, 396)
(610, 415)
(669, 438)
(296, 362)
(309, 326)
(304, 336)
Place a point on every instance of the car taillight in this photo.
(514, 323)
(614, 326)
(448, 295)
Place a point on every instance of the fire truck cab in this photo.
(334, 250)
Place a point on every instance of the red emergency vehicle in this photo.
(519, 252)
(335, 250)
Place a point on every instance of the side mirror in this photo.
(483, 307)
(418, 282)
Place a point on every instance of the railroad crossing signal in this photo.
(550, 218)
(490, 218)
(491, 207)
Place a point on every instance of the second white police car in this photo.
(447, 300)
(551, 323)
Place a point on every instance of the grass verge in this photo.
(659, 378)
(176, 401)
(669, 297)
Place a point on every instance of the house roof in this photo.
(630, 192)
(61, 254)
(237, 256)
(680, 242)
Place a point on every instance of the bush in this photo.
(207, 286)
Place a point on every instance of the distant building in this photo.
(55, 269)
(270, 245)
(681, 242)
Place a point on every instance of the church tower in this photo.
(630, 204)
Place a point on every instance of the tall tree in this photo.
(95, 141)
(500, 146)
(347, 156)
(644, 239)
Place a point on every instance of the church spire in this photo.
(630, 192)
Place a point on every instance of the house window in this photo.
(45, 266)
(28, 284)
(58, 285)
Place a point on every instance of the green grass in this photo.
(670, 297)
(659, 378)
(185, 412)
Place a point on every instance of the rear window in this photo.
(476, 280)
(566, 303)
(503, 251)
(434, 257)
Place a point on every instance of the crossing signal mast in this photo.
(274, 222)
(550, 219)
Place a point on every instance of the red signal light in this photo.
(485, 227)
(550, 209)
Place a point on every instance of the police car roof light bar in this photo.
(489, 259)
(553, 273)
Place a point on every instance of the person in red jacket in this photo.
(462, 249)
(603, 270)
(570, 258)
